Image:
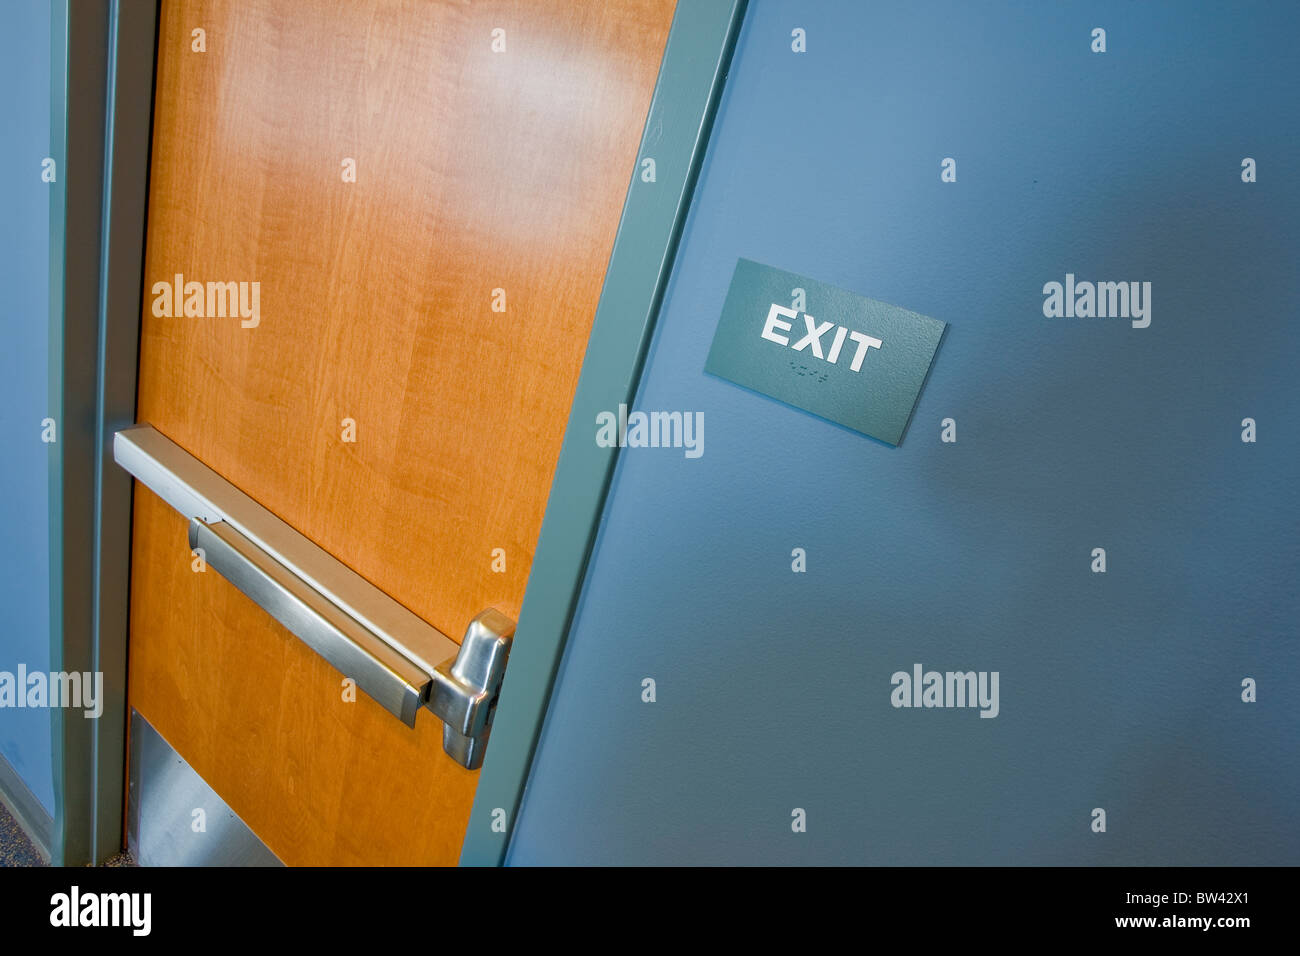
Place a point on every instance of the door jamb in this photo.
(101, 112)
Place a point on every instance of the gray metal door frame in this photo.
(101, 106)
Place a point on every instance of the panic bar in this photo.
(394, 656)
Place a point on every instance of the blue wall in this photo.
(24, 316)
(1119, 690)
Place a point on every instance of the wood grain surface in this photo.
(475, 171)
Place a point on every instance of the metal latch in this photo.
(466, 687)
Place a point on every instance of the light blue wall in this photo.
(24, 317)
(1118, 690)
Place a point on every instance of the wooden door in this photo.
(426, 194)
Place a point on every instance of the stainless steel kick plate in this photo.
(174, 818)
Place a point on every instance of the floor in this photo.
(17, 850)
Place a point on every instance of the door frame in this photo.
(101, 111)
(692, 75)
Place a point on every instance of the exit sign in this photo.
(839, 355)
